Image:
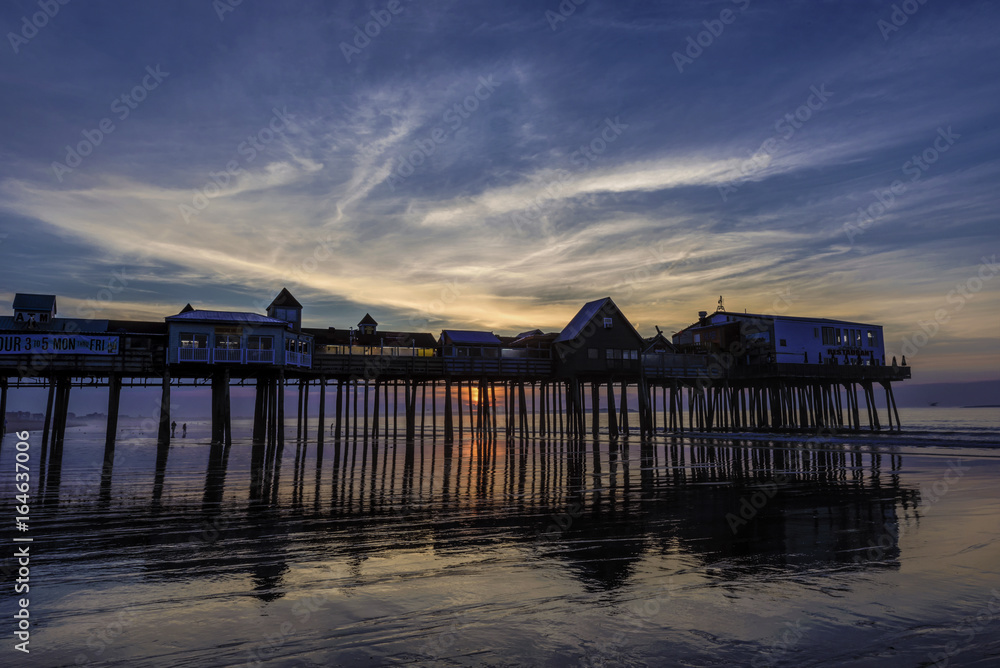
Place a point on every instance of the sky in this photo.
(494, 165)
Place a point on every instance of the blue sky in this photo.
(496, 164)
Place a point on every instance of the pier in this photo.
(596, 377)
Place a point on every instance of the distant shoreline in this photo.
(21, 424)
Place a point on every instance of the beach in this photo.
(684, 550)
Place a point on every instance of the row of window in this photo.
(835, 336)
(613, 354)
(234, 341)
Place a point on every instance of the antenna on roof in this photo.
(720, 307)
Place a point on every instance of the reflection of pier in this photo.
(597, 508)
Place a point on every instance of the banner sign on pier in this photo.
(57, 344)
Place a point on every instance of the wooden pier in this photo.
(569, 389)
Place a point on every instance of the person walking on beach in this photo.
(184, 430)
(173, 428)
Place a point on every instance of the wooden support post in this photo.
(612, 412)
(259, 411)
(458, 396)
(868, 406)
(354, 392)
(449, 431)
(227, 412)
(890, 405)
(493, 400)
(111, 431)
(280, 423)
(365, 425)
(321, 427)
(48, 415)
(595, 410)
(305, 408)
(624, 426)
(218, 428)
(298, 412)
(340, 409)
(410, 401)
(559, 390)
(473, 427)
(895, 410)
(3, 408)
(543, 400)
(423, 407)
(163, 431)
(875, 417)
(673, 405)
(375, 410)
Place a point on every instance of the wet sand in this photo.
(683, 552)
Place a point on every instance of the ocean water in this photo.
(693, 550)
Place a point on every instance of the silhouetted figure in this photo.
(894, 361)
(173, 428)
(184, 430)
(904, 360)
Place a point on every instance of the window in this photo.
(610, 353)
(871, 339)
(227, 341)
(592, 353)
(783, 343)
(608, 322)
(257, 342)
(191, 340)
(815, 332)
(828, 337)
(633, 354)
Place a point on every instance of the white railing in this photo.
(230, 355)
(260, 357)
(241, 356)
(298, 359)
(192, 355)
